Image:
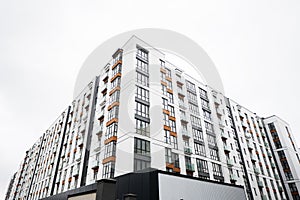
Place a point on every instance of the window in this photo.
(172, 125)
(195, 121)
(142, 53)
(141, 164)
(116, 70)
(207, 115)
(168, 72)
(200, 149)
(165, 104)
(142, 110)
(190, 86)
(175, 160)
(198, 135)
(202, 166)
(142, 66)
(205, 104)
(142, 79)
(113, 113)
(167, 137)
(164, 89)
(217, 169)
(209, 127)
(214, 154)
(141, 147)
(142, 128)
(110, 149)
(170, 97)
(168, 155)
(203, 93)
(108, 170)
(194, 109)
(116, 82)
(174, 142)
(172, 111)
(192, 97)
(111, 130)
(166, 119)
(212, 140)
(114, 97)
(169, 84)
(117, 57)
(142, 93)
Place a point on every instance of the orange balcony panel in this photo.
(112, 105)
(168, 128)
(116, 64)
(111, 121)
(109, 159)
(168, 78)
(163, 83)
(273, 131)
(170, 165)
(166, 111)
(173, 133)
(169, 90)
(63, 182)
(176, 169)
(115, 76)
(113, 90)
(162, 70)
(172, 118)
(70, 179)
(113, 138)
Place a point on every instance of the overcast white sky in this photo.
(254, 44)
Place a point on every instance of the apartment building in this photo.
(286, 154)
(142, 111)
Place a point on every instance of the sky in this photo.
(254, 44)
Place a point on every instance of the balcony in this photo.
(226, 149)
(95, 164)
(188, 150)
(264, 197)
(253, 159)
(190, 167)
(280, 189)
(256, 170)
(75, 171)
(185, 133)
(269, 154)
(266, 144)
(78, 157)
(233, 177)
(182, 106)
(183, 118)
(272, 165)
(248, 135)
(219, 111)
(250, 146)
(276, 177)
(260, 184)
(263, 134)
(230, 162)
(224, 135)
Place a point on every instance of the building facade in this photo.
(142, 111)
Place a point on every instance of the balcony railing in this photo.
(230, 162)
(190, 167)
(185, 133)
(256, 170)
(233, 177)
(260, 184)
(188, 150)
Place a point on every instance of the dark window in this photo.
(141, 147)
